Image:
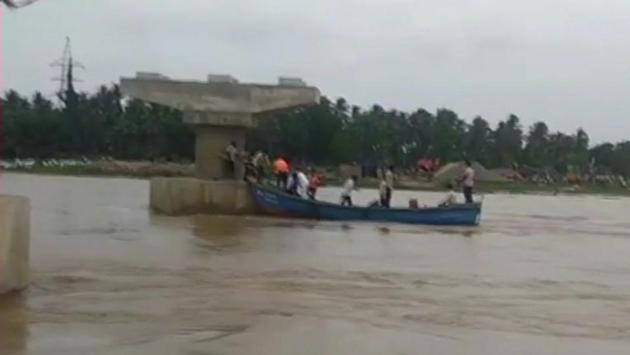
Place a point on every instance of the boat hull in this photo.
(275, 202)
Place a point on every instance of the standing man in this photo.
(389, 186)
(346, 194)
(293, 184)
(260, 162)
(382, 193)
(303, 183)
(230, 157)
(468, 181)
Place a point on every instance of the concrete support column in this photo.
(177, 196)
(14, 243)
(220, 111)
(210, 148)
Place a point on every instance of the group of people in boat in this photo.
(296, 182)
(305, 182)
(386, 188)
(239, 164)
(467, 181)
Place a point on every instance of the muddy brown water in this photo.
(542, 274)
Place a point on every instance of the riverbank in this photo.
(146, 170)
(109, 168)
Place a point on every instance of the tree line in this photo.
(104, 124)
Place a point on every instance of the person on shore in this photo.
(281, 168)
(348, 187)
(389, 188)
(450, 198)
(230, 157)
(313, 184)
(468, 182)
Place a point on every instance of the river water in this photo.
(541, 275)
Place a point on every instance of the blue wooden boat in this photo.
(276, 202)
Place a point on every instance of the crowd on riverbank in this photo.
(330, 175)
(102, 166)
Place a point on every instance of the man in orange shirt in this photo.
(281, 168)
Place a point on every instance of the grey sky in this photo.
(566, 62)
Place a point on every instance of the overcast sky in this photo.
(566, 62)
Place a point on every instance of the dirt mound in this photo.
(509, 174)
(454, 171)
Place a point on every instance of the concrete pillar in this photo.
(220, 110)
(14, 243)
(177, 196)
(210, 148)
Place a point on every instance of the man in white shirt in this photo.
(348, 187)
(389, 188)
(382, 192)
(230, 158)
(292, 183)
(468, 181)
(302, 184)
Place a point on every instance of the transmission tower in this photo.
(66, 78)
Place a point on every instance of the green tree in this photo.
(579, 157)
(43, 124)
(602, 154)
(478, 140)
(421, 127)
(447, 135)
(16, 111)
(537, 147)
(621, 159)
(102, 124)
(561, 148)
(508, 142)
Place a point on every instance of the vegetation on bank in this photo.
(145, 170)
(137, 169)
(103, 124)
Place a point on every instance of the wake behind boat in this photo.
(275, 202)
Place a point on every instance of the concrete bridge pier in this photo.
(210, 143)
(220, 111)
(213, 132)
(14, 243)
